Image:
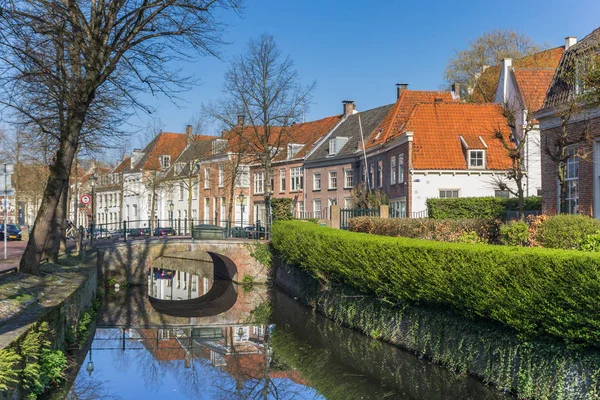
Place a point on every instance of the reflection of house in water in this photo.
(168, 284)
(236, 350)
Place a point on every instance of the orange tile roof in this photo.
(166, 143)
(436, 129)
(485, 90)
(474, 142)
(123, 166)
(390, 126)
(533, 84)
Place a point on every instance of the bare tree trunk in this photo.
(59, 176)
(57, 233)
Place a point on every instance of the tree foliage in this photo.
(466, 66)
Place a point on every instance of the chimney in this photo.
(506, 65)
(189, 132)
(570, 41)
(400, 87)
(456, 90)
(241, 120)
(136, 156)
(349, 107)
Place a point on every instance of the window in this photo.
(179, 167)
(379, 173)
(572, 183)
(372, 176)
(317, 208)
(504, 194)
(316, 181)
(282, 180)
(221, 175)
(393, 170)
(206, 210)
(206, 178)
(476, 158)
(181, 191)
(332, 202)
(243, 177)
(401, 168)
(259, 182)
(135, 210)
(332, 146)
(296, 176)
(293, 149)
(398, 209)
(448, 193)
(348, 178)
(348, 202)
(195, 215)
(195, 190)
(332, 179)
(300, 209)
(219, 145)
(165, 161)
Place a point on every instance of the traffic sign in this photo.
(7, 169)
(85, 199)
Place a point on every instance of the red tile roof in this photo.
(166, 143)
(390, 126)
(485, 90)
(436, 129)
(533, 84)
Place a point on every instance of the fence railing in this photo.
(394, 213)
(346, 214)
(170, 227)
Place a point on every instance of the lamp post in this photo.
(105, 219)
(90, 365)
(93, 183)
(241, 197)
(171, 207)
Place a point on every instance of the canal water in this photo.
(165, 341)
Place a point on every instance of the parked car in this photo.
(254, 233)
(14, 233)
(164, 232)
(138, 232)
(117, 233)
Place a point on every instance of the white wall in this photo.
(425, 186)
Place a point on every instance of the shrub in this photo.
(448, 230)
(282, 209)
(535, 291)
(514, 233)
(566, 231)
(478, 207)
(590, 243)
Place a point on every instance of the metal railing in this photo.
(394, 213)
(146, 228)
(346, 214)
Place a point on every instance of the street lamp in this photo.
(171, 207)
(241, 197)
(90, 365)
(240, 333)
(93, 179)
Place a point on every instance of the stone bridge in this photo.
(129, 262)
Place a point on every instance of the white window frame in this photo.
(380, 173)
(207, 178)
(282, 176)
(572, 182)
(296, 176)
(401, 168)
(393, 170)
(221, 175)
(317, 208)
(165, 161)
(348, 178)
(332, 180)
(259, 182)
(474, 159)
(181, 191)
(317, 181)
(443, 193)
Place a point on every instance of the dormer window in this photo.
(165, 161)
(336, 144)
(476, 158)
(219, 145)
(293, 149)
(179, 167)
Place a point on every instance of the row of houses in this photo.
(423, 144)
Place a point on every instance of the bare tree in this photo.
(68, 66)
(263, 97)
(466, 66)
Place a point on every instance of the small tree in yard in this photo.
(69, 67)
(262, 99)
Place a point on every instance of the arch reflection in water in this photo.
(169, 295)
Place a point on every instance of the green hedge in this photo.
(535, 291)
(478, 207)
(445, 230)
(566, 231)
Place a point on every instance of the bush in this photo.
(514, 233)
(478, 207)
(282, 209)
(590, 243)
(535, 291)
(566, 231)
(447, 230)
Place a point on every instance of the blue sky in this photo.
(358, 50)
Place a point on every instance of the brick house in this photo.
(331, 168)
(287, 168)
(582, 161)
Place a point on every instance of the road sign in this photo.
(85, 199)
(6, 169)
(5, 183)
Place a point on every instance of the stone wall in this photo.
(129, 262)
(530, 369)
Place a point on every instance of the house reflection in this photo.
(169, 284)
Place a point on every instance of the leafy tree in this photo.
(466, 66)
